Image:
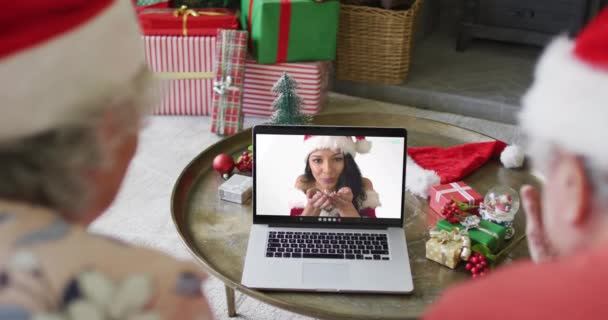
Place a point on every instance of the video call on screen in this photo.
(281, 160)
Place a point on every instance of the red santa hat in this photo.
(430, 166)
(344, 143)
(567, 104)
(56, 56)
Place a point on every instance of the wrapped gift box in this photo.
(312, 79)
(488, 234)
(186, 66)
(236, 189)
(229, 74)
(448, 248)
(291, 30)
(440, 195)
(156, 21)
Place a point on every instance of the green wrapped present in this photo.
(483, 232)
(291, 30)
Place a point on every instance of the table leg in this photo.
(230, 301)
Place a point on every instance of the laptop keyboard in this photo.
(327, 245)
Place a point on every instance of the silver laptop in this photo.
(328, 210)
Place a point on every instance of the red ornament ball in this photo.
(223, 163)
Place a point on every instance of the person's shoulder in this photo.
(302, 183)
(526, 286)
(367, 184)
(41, 243)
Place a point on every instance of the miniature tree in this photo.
(287, 104)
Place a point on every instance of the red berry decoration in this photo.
(478, 265)
(223, 164)
(245, 162)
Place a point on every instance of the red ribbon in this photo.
(284, 23)
(249, 23)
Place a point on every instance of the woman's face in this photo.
(326, 166)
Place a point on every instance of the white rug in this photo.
(141, 213)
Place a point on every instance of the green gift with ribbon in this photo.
(291, 30)
(480, 231)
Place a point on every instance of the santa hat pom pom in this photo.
(512, 157)
(363, 146)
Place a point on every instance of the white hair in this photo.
(47, 169)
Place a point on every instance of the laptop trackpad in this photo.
(326, 275)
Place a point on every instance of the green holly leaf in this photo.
(485, 251)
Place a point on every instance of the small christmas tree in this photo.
(287, 104)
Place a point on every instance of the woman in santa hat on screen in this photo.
(332, 184)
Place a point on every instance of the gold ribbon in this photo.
(183, 75)
(184, 12)
(456, 235)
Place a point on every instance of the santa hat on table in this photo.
(567, 104)
(344, 143)
(57, 56)
(430, 166)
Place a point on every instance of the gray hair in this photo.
(543, 153)
(47, 169)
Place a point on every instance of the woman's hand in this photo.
(316, 200)
(343, 201)
(538, 243)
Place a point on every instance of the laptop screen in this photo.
(329, 178)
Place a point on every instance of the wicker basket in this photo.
(375, 44)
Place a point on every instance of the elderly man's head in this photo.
(565, 115)
(73, 98)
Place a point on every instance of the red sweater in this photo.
(572, 288)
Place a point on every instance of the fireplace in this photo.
(531, 22)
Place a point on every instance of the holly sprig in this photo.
(455, 211)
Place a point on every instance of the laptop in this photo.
(346, 234)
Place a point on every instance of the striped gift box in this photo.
(186, 66)
(312, 79)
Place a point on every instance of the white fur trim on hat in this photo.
(418, 180)
(372, 200)
(567, 103)
(346, 144)
(46, 85)
(296, 198)
(512, 157)
(363, 146)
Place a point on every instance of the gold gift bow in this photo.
(183, 75)
(444, 237)
(185, 12)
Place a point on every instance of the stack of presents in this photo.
(221, 58)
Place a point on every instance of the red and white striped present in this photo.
(312, 79)
(186, 66)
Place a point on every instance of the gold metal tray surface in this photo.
(216, 232)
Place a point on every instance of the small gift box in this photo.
(480, 231)
(231, 49)
(291, 30)
(186, 22)
(440, 195)
(258, 97)
(448, 247)
(236, 189)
